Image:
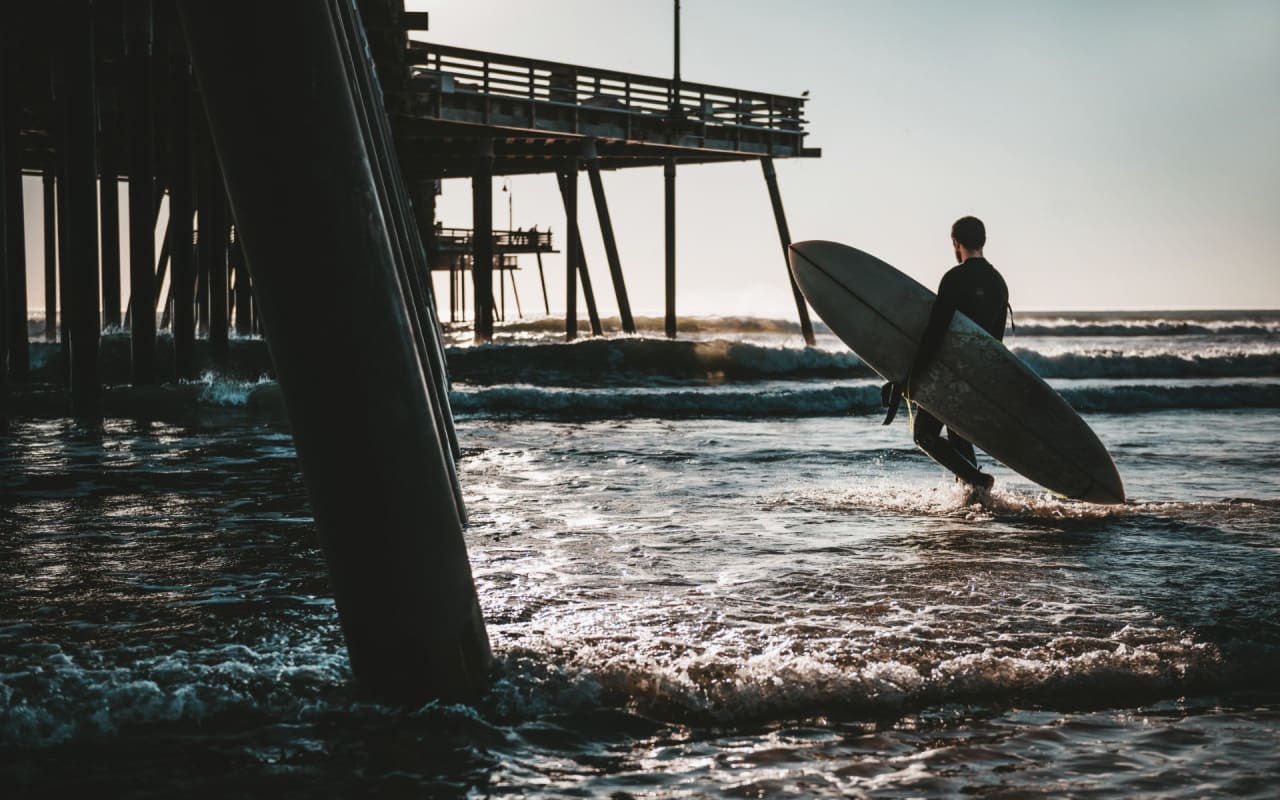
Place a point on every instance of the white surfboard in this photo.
(974, 384)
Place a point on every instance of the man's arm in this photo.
(939, 320)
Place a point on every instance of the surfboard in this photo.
(974, 384)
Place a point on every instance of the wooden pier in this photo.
(289, 153)
(454, 252)
(467, 113)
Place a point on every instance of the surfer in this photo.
(976, 289)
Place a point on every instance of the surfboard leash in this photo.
(911, 417)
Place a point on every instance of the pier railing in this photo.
(443, 70)
(530, 241)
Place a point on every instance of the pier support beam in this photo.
(213, 247)
(316, 240)
(610, 245)
(142, 244)
(569, 184)
(482, 241)
(669, 185)
(784, 235)
(5, 89)
(243, 290)
(50, 193)
(182, 281)
(80, 255)
(542, 278)
(572, 247)
(14, 241)
(109, 213)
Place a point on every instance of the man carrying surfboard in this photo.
(977, 290)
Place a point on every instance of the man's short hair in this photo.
(970, 232)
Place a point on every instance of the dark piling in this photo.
(139, 42)
(482, 240)
(50, 195)
(79, 159)
(314, 241)
(784, 236)
(669, 194)
(610, 243)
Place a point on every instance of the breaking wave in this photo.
(636, 361)
(815, 401)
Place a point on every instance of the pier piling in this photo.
(610, 244)
(784, 236)
(669, 193)
(572, 250)
(482, 240)
(80, 261)
(315, 240)
(569, 182)
(243, 293)
(5, 88)
(213, 248)
(181, 211)
(14, 240)
(49, 188)
(109, 214)
(139, 40)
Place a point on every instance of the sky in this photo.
(1124, 155)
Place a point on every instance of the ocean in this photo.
(707, 570)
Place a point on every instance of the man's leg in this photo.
(928, 435)
(963, 446)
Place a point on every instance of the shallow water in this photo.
(765, 607)
(741, 604)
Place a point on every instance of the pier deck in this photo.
(539, 113)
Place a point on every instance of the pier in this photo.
(454, 252)
(288, 155)
(458, 112)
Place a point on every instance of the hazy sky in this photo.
(1124, 154)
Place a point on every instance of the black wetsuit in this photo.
(977, 290)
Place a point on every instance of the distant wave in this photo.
(645, 362)
(816, 401)
(641, 361)
(1159, 365)
(1147, 328)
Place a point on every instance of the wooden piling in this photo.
(482, 240)
(14, 240)
(784, 236)
(243, 294)
(109, 213)
(80, 259)
(5, 89)
(181, 210)
(610, 244)
(142, 246)
(569, 182)
(542, 278)
(572, 250)
(213, 248)
(50, 194)
(64, 223)
(669, 186)
(453, 288)
(314, 241)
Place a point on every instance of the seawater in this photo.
(707, 570)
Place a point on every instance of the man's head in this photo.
(968, 237)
